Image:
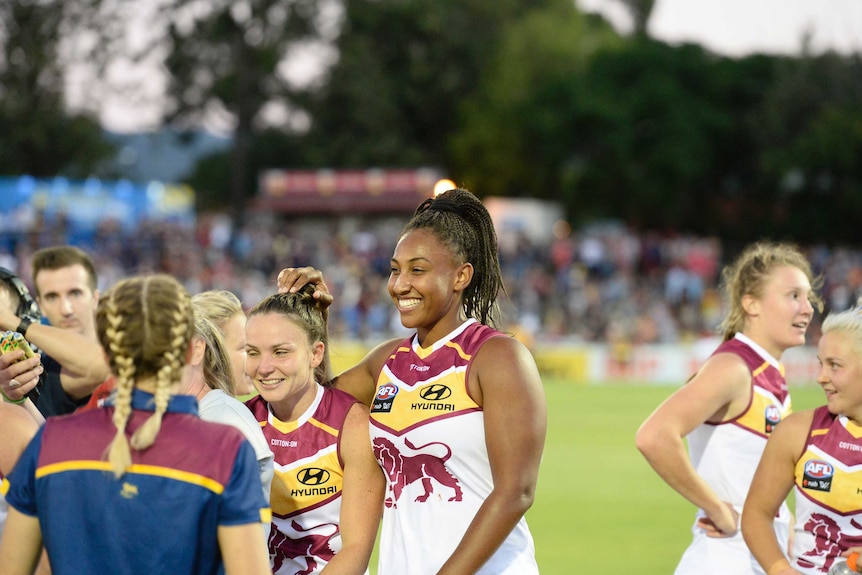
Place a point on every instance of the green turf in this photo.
(597, 499)
(599, 507)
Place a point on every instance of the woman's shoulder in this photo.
(228, 410)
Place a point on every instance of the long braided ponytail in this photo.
(460, 220)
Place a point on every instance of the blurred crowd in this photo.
(602, 283)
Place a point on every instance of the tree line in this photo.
(510, 97)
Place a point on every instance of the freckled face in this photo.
(784, 310)
(279, 359)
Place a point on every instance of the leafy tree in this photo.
(38, 136)
(513, 135)
(404, 68)
(811, 137)
(268, 148)
(659, 136)
(225, 59)
(640, 11)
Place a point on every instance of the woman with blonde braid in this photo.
(141, 485)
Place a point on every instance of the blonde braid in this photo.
(119, 455)
(169, 373)
(143, 341)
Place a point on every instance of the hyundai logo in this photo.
(435, 392)
(313, 476)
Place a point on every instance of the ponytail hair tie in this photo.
(440, 205)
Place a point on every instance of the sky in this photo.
(741, 27)
(729, 27)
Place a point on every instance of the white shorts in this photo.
(725, 556)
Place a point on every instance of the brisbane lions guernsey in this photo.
(428, 436)
(307, 483)
(828, 493)
(726, 454)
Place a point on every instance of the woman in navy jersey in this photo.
(141, 485)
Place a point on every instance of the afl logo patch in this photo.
(817, 475)
(772, 416)
(312, 476)
(387, 391)
(435, 392)
(385, 397)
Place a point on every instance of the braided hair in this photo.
(301, 308)
(462, 223)
(145, 325)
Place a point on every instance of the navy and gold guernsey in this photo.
(307, 483)
(828, 492)
(162, 516)
(428, 436)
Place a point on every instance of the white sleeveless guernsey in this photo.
(428, 435)
(726, 456)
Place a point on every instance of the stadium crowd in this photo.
(599, 283)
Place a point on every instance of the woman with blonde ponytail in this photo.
(142, 484)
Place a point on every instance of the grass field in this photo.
(599, 507)
(598, 500)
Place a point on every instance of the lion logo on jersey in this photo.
(402, 470)
(828, 538)
(295, 548)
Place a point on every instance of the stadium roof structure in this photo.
(340, 192)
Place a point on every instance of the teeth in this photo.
(408, 303)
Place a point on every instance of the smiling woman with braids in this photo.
(100, 487)
(458, 414)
